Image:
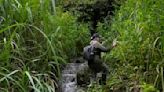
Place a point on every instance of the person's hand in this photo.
(114, 44)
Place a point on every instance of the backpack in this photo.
(88, 52)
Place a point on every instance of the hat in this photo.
(95, 35)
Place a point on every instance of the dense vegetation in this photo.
(139, 55)
(36, 39)
(38, 36)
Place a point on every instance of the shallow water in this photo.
(68, 79)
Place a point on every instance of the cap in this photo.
(95, 35)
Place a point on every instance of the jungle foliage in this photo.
(138, 58)
(37, 37)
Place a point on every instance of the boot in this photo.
(103, 79)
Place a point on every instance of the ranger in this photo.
(94, 56)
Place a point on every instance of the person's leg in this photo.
(91, 66)
(97, 66)
(105, 71)
(104, 75)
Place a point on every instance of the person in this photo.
(96, 64)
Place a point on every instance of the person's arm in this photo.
(108, 49)
(102, 48)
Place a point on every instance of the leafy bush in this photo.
(148, 88)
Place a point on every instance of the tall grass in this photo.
(36, 38)
(140, 42)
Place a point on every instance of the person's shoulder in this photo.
(95, 43)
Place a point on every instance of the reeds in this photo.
(36, 39)
(140, 40)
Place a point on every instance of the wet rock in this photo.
(83, 77)
(71, 75)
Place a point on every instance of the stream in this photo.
(69, 77)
